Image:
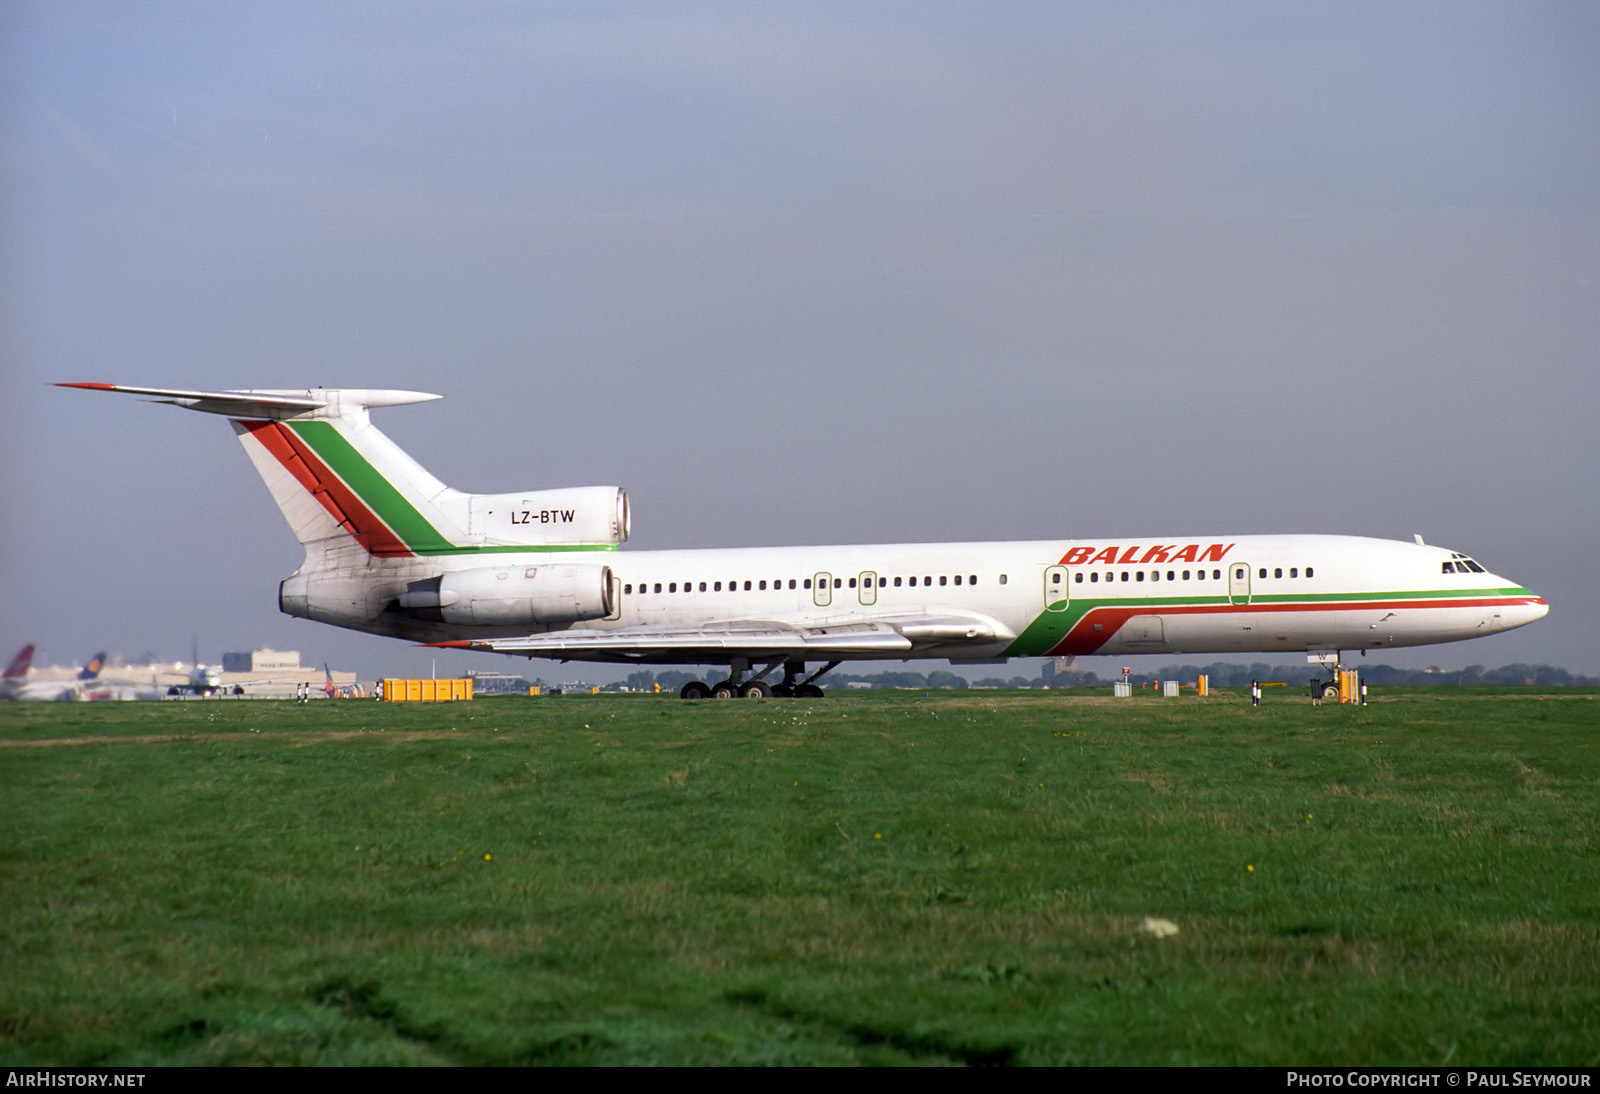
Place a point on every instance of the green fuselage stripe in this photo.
(1049, 627)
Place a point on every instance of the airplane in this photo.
(15, 685)
(202, 681)
(339, 691)
(391, 550)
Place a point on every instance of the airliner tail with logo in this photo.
(393, 551)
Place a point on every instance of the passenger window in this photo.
(807, 583)
(837, 582)
(1124, 575)
(673, 587)
(791, 583)
(1263, 572)
(1308, 571)
(944, 579)
(1002, 579)
(852, 583)
(958, 579)
(972, 579)
(1055, 579)
(1094, 577)
(1077, 579)
(1170, 576)
(897, 583)
(658, 586)
(1294, 571)
(1140, 575)
(746, 586)
(1277, 572)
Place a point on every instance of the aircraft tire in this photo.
(755, 689)
(808, 691)
(1330, 692)
(723, 689)
(694, 689)
(783, 691)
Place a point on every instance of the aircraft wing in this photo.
(887, 635)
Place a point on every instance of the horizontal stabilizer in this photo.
(271, 403)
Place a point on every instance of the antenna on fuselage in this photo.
(1418, 537)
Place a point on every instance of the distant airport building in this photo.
(262, 661)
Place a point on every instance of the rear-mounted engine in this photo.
(502, 596)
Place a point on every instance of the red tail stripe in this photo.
(339, 500)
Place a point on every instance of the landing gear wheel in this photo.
(1330, 691)
(755, 689)
(782, 691)
(723, 689)
(808, 691)
(694, 689)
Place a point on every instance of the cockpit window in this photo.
(1461, 564)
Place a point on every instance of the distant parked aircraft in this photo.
(16, 686)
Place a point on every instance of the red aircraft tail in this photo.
(20, 663)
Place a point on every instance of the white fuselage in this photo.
(1205, 594)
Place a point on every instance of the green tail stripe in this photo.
(379, 494)
(391, 506)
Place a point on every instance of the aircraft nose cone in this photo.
(1535, 608)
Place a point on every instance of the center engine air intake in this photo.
(503, 596)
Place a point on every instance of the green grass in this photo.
(871, 878)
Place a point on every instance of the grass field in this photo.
(872, 878)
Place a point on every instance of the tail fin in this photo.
(20, 664)
(91, 671)
(334, 474)
(327, 687)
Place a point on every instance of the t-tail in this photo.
(377, 527)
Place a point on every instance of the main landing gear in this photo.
(736, 687)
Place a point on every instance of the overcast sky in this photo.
(802, 273)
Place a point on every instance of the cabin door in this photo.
(822, 590)
(1239, 583)
(1056, 595)
(867, 587)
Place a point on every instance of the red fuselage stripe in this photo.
(1084, 639)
